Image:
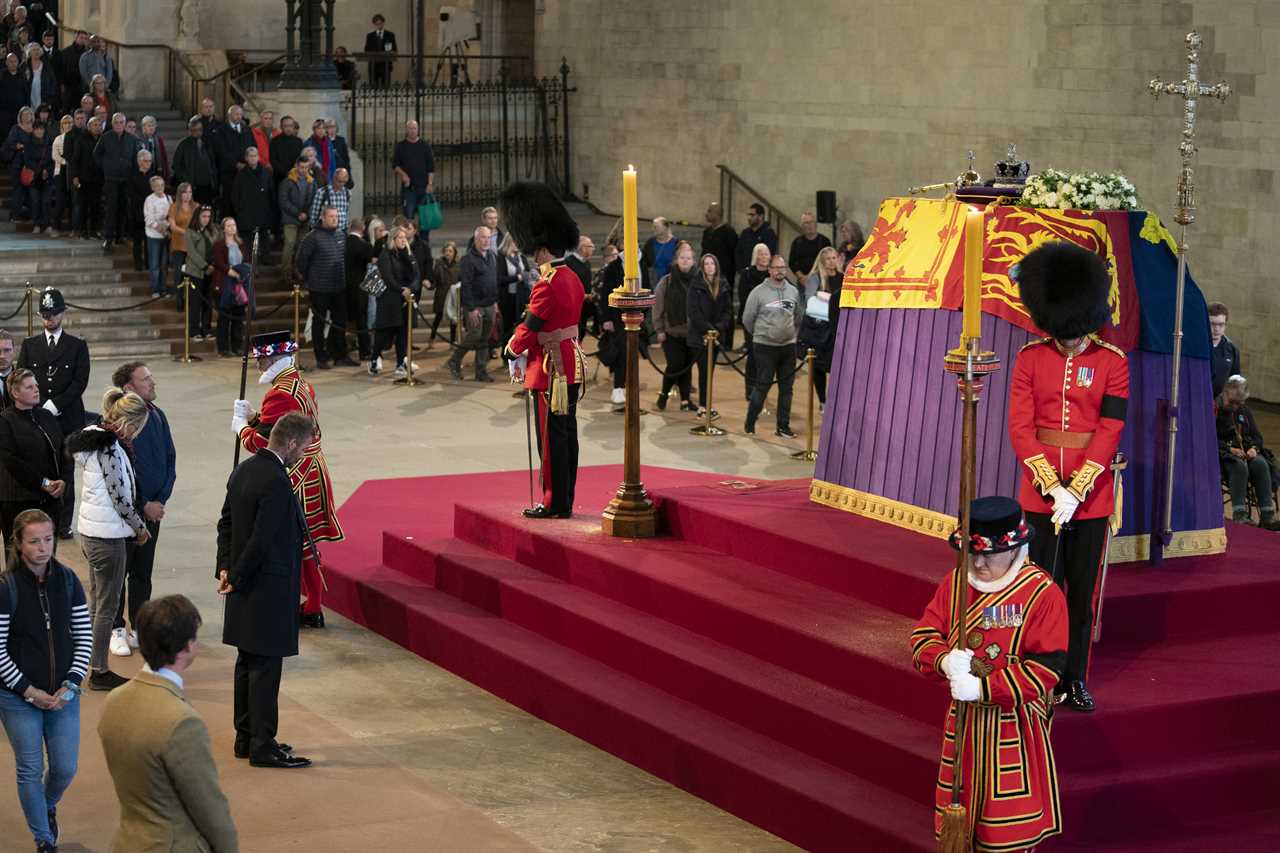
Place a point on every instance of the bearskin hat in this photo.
(1066, 289)
(536, 219)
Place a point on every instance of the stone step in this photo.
(115, 351)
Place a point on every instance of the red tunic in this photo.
(1086, 393)
(291, 393)
(1013, 804)
(555, 303)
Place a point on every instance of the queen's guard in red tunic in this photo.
(289, 392)
(1067, 402)
(1009, 656)
(547, 338)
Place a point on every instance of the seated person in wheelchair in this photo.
(1245, 461)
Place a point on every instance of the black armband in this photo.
(1113, 407)
(533, 322)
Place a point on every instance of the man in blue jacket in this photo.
(155, 463)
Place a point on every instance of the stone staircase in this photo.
(98, 281)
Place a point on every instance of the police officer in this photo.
(60, 362)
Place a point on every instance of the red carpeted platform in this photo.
(757, 656)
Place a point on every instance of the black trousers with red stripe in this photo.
(558, 448)
(1076, 567)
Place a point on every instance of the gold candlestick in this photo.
(631, 513)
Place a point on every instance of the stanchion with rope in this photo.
(706, 428)
(31, 310)
(408, 378)
(808, 454)
(187, 357)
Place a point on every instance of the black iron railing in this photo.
(482, 136)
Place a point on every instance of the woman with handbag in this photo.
(196, 268)
(444, 277)
(11, 152)
(401, 280)
(37, 177)
(227, 259)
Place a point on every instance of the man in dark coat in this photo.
(757, 231)
(252, 192)
(69, 70)
(260, 540)
(719, 239)
(114, 155)
(194, 163)
(382, 42)
(321, 263)
(231, 139)
(60, 363)
(31, 458)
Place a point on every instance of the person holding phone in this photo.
(45, 640)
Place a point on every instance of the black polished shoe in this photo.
(45, 847)
(1078, 698)
(661, 403)
(541, 511)
(312, 620)
(749, 428)
(280, 760)
(243, 751)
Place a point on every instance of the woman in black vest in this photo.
(45, 641)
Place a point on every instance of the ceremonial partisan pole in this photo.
(1191, 90)
(969, 364)
(250, 312)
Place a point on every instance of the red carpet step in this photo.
(757, 655)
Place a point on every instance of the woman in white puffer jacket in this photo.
(107, 517)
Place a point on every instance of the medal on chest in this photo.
(1001, 616)
(1084, 377)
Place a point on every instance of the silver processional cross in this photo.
(1191, 90)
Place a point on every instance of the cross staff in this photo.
(1191, 90)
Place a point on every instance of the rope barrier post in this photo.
(408, 378)
(706, 428)
(187, 357)
(31, 310)
(808, 454)
(297, 316)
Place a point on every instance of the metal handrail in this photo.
(775, 216)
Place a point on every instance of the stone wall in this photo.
(869, 98)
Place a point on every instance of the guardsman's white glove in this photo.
(1064, 504)
(239, 416)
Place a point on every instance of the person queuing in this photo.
(231, 140)
(289, 392)
(321, 260)
(1013, 646)
(138, 189)
(719, 239)
(806, 246)
(552, 366)
(817, 332)
(85, 179)
(444, 277)
(261, 532)
(60, 363)
(516, 277)
(45, 642)
(37, 158)
(106, 517)
(478, 295)
(157, 747)
(757, 231)
(151, 142)
(194, 163)
(155, 466)
(8, 355)
(658, 253)
(414, 165)
(773, 315)
(612, 345)
(31, 458)
(297, 191)
(178, 221)
(359, 255)
(198, 268)
(710, 308)
(252, 199)
(403, 278)
(755, 272)
(671, 324)
(12, 153)
(337, 195)
(1068, 398)
(230, 265)
(116, 155)
(155, 213)
(59, 219)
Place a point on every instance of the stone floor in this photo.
(408, 756)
